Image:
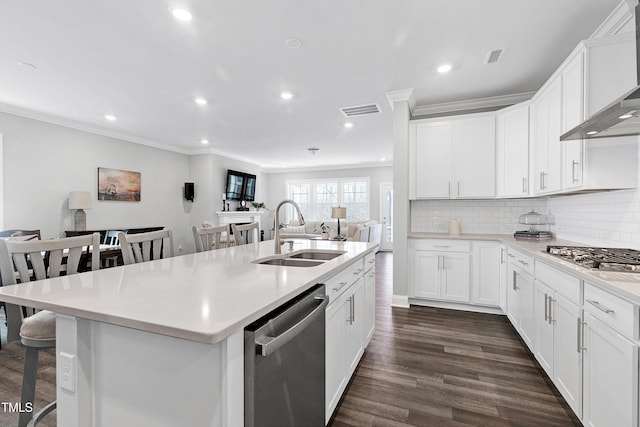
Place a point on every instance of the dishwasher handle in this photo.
(266, 345)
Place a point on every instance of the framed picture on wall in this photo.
(116, 184)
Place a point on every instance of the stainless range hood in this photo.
(621, 117)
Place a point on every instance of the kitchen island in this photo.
(161, 343)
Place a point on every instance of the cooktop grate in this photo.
(609, 259)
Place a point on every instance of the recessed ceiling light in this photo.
(627, 115)
(383, 159)
(445, 68)
(204, 141)
(182, 14)
(286, 95)
(201, 101)
(293, 43)
(593, 132)
(110, 117)
(348, 125)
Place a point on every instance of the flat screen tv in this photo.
(241, 186)
(235, 184)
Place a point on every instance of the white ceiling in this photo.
(132, 59)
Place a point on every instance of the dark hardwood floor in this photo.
(423, 367)
(436, 367)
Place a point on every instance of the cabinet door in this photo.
(354, 327)
(504, 277)
(610, 376)
(335, 363)
(573, 92)
(512, 148)
(369, 305)
(454, 275)
(427, 274)
(540, 138)
(525, 286)
(513, 297)
(485, 278)
(567, 357)
(434, 151)
(544, 327)
(553, 181)
(475, 142)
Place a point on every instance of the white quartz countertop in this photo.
(626, 285)
(202, 297)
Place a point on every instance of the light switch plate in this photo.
(67, 371)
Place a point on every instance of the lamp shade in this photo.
(339, 213)
(80, 200)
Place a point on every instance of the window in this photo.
(317, 197)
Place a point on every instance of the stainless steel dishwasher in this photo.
(284, 366)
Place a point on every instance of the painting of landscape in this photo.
(116, 184)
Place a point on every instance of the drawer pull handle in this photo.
(358, 271)
(600, 307)
(441, 246)
(522, 262)
(546, 308)
(511, 255)
(342, 285)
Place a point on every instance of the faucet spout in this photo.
(277, 247)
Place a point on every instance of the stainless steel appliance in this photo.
(284, 364)
(605, 259)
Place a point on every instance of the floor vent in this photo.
(493, 56)
(360, 110)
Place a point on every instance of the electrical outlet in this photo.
(67, 371)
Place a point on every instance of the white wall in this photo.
(44, 162)
(276, 183)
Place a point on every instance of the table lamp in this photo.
(339, 213)
(80, 200)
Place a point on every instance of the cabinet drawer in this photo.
(369, 261)
(443, 245)
(522, 261)
(611, 309)
(339, 283)
(561, 282)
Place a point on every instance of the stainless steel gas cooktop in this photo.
(604, 259)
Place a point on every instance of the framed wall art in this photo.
(116, 184)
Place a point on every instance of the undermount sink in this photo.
(315, 254)
(301, 258)
(288, 262)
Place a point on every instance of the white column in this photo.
(400, 102)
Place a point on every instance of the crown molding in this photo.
(402, 95)
(616, 19)
(73, 124)
(489, 103)
(327, 167)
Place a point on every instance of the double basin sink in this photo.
(302, 258)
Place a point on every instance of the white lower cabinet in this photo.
(610, 376)
(369, 289)
(557, 343)
(485, 277)
(520, 296)
(348, 327)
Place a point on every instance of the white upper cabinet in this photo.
(572, 116)
(512, 151)
(546, 116)
(453, 158)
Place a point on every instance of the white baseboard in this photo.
(400, 301)
(457, 306)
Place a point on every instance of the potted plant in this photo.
(325, 231)
(258, 205)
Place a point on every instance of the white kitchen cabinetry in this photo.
(595, 74)
(504, 274)
(512, 151)
(453, 157)
(520, 295)
(485, 278)
(345, 328)
(545, 137)
(610, 359)
(441, 270)
(369, 298)
(557, 313)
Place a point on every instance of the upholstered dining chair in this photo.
(38, 260)
(210, 238)
(245, 233)
(142, 247)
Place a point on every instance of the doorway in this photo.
(386, 218)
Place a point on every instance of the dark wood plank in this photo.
(435, 367)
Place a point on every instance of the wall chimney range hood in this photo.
(621, 117)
